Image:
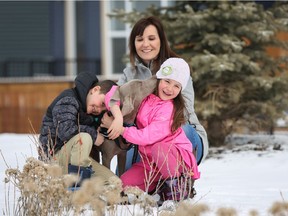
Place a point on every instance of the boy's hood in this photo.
(83, 83)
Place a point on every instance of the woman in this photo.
(149, 48)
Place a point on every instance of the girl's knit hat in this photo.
(176, 69)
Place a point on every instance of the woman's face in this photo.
(148, 45)
(168, 89)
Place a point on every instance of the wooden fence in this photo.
(23, 103)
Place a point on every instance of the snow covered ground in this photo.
(251, 173)
(249, 176)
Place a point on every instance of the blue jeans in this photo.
(195, 139)
(129, 159)
(191, 134)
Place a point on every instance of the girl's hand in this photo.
(115, 129)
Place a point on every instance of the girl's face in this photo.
(148, 45)
(168, 89)
(95, 101)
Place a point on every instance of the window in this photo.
(115, 35)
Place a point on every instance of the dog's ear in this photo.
(132, 94)
(149, 84)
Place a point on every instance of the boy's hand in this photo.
(99, 139)
(115, 129)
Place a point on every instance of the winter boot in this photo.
(84, 173)
(177, 189)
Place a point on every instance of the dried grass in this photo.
(279, 209)
(41, 189)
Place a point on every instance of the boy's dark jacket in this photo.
(66, 116)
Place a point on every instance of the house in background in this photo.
(45, 44)
(64, 38)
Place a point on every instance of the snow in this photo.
(245, 180)
(251, 173)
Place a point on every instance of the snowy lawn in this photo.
(250, 173)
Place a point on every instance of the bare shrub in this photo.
(253, 213)
(42, 189)
(226, 212)
(185, 208)
(279, 209)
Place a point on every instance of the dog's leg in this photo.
(121, 160)
(94, 154)
(109, 149)
(106, 159)
(121, 156)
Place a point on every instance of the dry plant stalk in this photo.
(226, 212)
(44, 191)
(186, 208)
(279, 209)
(185, 184)
(150, 177)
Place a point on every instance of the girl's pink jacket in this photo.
(154, 126)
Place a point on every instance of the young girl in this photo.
(166, 152)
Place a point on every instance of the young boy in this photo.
(69, 127)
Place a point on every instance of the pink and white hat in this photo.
(176, 69)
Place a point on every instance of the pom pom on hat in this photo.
(176, 69)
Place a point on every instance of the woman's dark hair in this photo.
(178, 110)
(165, 50)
